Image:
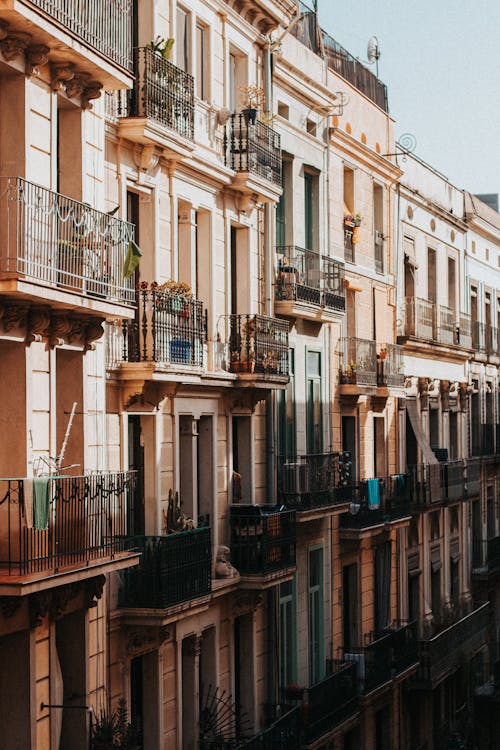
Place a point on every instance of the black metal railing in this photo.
(257, 344)
(486, 554)
(314, 480)
(162, 92)
(262, 539)
(63, 243)
(390, 366)
(106, 25)
(377, 501)
(168, 329)
(283, 734)
(358, 361)
(445, 651)
(338, 59)
(330, 701)
(50, 524)
(173, 568)
(252, 147)
(478, 336)
(306, 276)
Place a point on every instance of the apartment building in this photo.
(251, 488)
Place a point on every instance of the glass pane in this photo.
(200, 61)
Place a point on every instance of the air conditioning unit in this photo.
(295, 479)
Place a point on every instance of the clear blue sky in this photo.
(441, 63)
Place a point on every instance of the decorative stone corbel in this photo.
(60, 326)
(75, 86)
(4, 29)
(93, 331)
(38, 324)
(15, 316)
(61, 74)
(146, 158)
(92, 90)
(9, 605)
(245, 201)
(38, 606)
(14, 45)
(93, 590)
(76, 334)
(36, 55)
(445, 395)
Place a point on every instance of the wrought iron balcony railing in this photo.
(445, 651)
(169, 329)
(463, 334)
(491, 340)
(256, 344)
(106, 25)
(358, 361)
(162, 92)
(60, 242)
(173, 568)
(252, 147)
(51, 524)
(377, 501)
(306, 276)
(420, 318)
(447, 325)
(315, 480)
(330, 701)
(478, 336)
(283, 734)
(486, 555)
(262, 539)
(390, 366)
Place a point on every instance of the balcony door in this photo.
(287, 634)
(316, 616)
(350, 605)
(314, 410)
(136, 463)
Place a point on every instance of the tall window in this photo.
(286, 413)
(311, 183)
(316, 615)
(182, 41)
(287, 633)
(281, 209)
(313, 404)
(431, 275)
(201, 62)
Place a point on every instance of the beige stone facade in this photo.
(220, 500)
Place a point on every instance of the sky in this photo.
(441, 63)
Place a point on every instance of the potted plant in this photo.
(161, 46)
(357, 220)
(114, 731)
(252, 99)
(349, 221)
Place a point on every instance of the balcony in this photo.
(314, 482)
(492, 344)
(376, 502)
(257, 350)
(159, 110)
(308, 285)
(390, 366)
(262, 542)
(169, 333)
(331, 701)
(446, 325)
(173, 569)
(62, 251)
(485, 557)
(349, 245)
(253, 151)
(387, 656)
(95, 36)
(358, 366)
(420, 318)
(444, 653)
(67, 527)
(463, 334)
(283, 734)
(428, 485)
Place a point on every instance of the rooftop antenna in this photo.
(373, 52)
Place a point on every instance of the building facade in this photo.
(251, 354)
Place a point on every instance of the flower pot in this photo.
(250, 115)
(357, 222)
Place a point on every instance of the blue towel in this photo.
(400, 481)
(373, 494)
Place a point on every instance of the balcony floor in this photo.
(22, 585)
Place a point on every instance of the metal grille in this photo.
(314, 480)
(252, 147)
(447, 325)
(173, 568)
(162, 92)
(390, 366)
(86, 521)
(331, 701)
(306, 276)
(420, 318)
(62, 242)
(104, 24)
(358, 361)
(262, 539)
(258, 344)
(479, 336)
(463, 335)
(169, 329)
(349, 253)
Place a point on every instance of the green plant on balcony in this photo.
(113, 731)
(175, 519)
(252, 99)
(161, 46)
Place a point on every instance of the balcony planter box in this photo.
(180, 351)
(250, 115)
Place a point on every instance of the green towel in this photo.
(132, 259)
(41, 502)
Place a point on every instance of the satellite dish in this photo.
(372, 50)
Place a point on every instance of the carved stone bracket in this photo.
(146, 157)
(462, 396)
(38, 605)
(54, 602)
(91, 91)
(423, 388)
(15, 316)
(93, 331)
(9, 605)
(4, 29)
(36, 55)
(140, 640)
(61, 74)
(246, 602)
(444, 388)
(75, 86)
(244, 398)
(38, 323)
(93, 589)
(14, 45)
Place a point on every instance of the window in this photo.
(282, 205)
(182, 41)
(284, 110)
(349, 213)
(202, 59)
(237, 79)
(309, 211)
(378, 227)
(287, 633)
(451, 283)
(311, 126)
(313, 403)
(286, 413)
(316, 614)
(431, 275)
